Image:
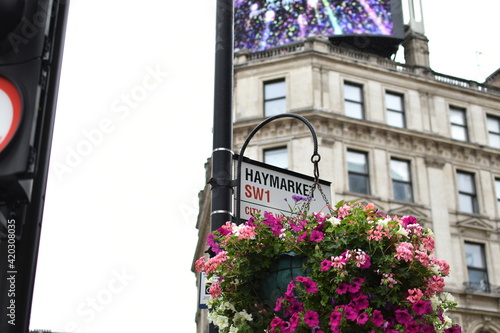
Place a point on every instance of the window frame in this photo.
(453, 125)
(481, 270)
(277, 148)
(492, 133)
(366, 176)
(408, 182)
(273, 99)
(361, 102)
(472, 195)
(400, 112)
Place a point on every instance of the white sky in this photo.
(119, 231)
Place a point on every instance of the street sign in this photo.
(10, 112)
(266, 188)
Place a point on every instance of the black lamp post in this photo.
(222, 154)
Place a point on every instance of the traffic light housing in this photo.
(24, 55)
(31, 43)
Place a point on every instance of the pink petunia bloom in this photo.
(326, 265)
(309, 284)
(422, 307)
(354, 287)
(311, 318)
(316, 236)
(377, 318)
(335, 318)
(351, 313)
(403, 316)
(342, 288)
(360, 302)
(362, 318)
(412, 327)
(454, 329)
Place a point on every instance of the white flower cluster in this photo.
(222, 322)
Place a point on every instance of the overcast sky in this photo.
(132, 134)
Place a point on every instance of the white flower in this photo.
(385, 222)
(334, 221)
(243, 315)
(221, 321)
(448, 297)
(402, 231)
(233, 329)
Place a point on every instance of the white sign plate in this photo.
(266, 188)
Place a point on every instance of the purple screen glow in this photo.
(263, 24)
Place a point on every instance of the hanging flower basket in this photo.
(364, 272)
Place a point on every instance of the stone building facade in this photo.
(410, 140)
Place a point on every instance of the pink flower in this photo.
(342, 288)
(215, 290)
(343, 212)
(200, 264)
(454, 329)
(404, 251)
(403, 316)
(362, 318)
(310, 285)
(335, 318)
(247, 232)
(326, 265)
(339, 262)
(377, 318)
(316, 236)
(422, 307)
(350, 313)
(360, 302)
(415, 295)
(311, 318)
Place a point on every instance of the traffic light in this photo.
(23, 57)
(31, 42)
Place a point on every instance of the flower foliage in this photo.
(366, 272)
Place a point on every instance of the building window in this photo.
(401, 180)
(274, 97)
(458, 123)
(497, 190)
(476, 267)
(353, 100)
(277, 157)
(357, 166)
(467, 192)
(394, 104)
(493, 124)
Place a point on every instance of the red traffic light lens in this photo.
(10, 112)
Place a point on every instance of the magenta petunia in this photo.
(326, 265)
(311, 318)
(403, 316)
(362, 318)
(454, 329)
(377, 318)
(342, 288)
(316, 236)
(350, 312)
(335, 318)
(422, 307)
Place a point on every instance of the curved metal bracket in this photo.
(315, 158)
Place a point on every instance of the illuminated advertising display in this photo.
(264, 24)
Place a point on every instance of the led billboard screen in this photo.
(264, 24)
